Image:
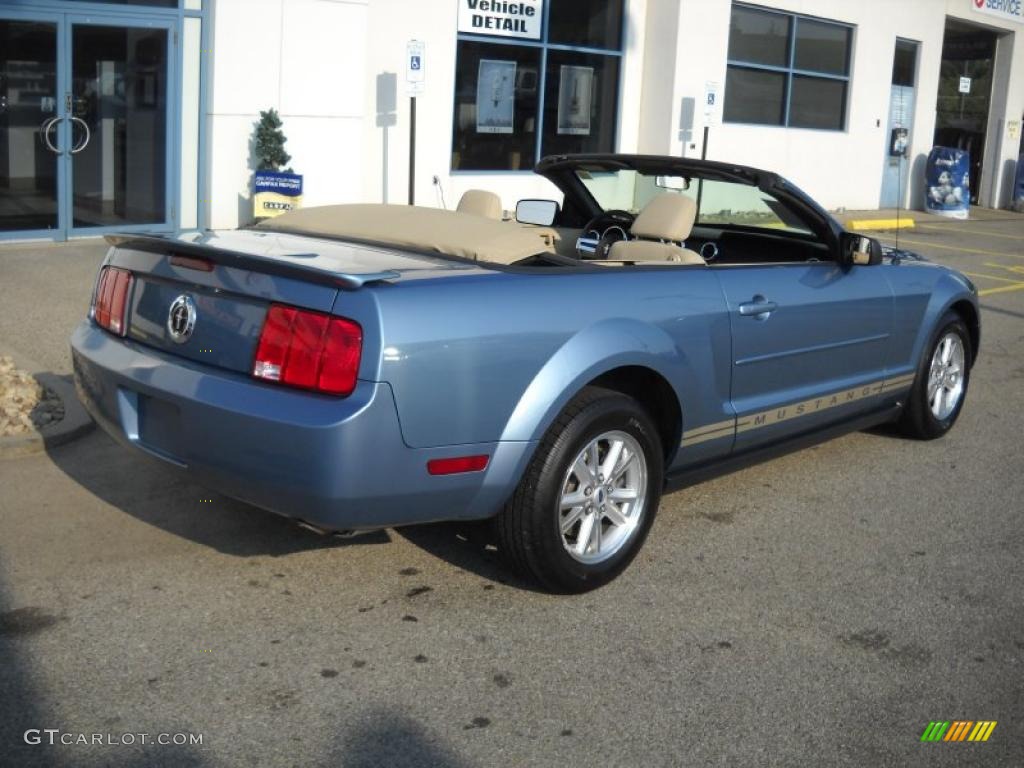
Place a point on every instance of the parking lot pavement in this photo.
(818, 609)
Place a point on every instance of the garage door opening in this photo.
(965, 90)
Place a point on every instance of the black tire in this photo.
(917, 420)
(528, 527)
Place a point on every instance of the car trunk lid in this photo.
(231, 279)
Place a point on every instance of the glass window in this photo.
(822, 47)
(904, 64)
(817, 103)
(506, 118)
(580, 93)
(759, 37)
(754, 96)
(787, 70)
(495, 106)
(151, 3)
(721, 202)
(586, 23)
(726, 203)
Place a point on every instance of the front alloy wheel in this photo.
(943, 375)
(946, 376)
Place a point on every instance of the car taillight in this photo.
(111, 300)
(309, 350)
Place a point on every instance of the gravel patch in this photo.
(25, 405)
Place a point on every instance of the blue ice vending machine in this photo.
(948, 182)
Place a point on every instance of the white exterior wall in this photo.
(841, 169)
(307, 59)
(318, 63)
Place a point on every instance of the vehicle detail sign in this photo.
(502, 18)
(1007, 10)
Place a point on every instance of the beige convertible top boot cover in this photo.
(452, 233)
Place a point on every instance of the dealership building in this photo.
(139, 114)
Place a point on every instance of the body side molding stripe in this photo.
(747, 422)
(815, 348)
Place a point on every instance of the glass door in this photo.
(29, 127)
(86, 117)
(118, 120)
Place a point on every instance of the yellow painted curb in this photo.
(900, 223)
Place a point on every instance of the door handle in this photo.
(759, 307)
(45, 128)
(85, 141)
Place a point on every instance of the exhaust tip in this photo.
(321, 531)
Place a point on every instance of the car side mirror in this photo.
(540, 212)
(859, 250)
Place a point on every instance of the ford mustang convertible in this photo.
(364, 366)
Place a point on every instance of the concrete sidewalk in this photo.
(45, 289)
(886, 218)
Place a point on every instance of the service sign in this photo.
(502, 18)
(1007, 10)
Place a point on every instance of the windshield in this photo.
(720, 202)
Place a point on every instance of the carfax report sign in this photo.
(502, 18)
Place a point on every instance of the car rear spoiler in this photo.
(252, 262)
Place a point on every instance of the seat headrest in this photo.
(482, 203)
(649, 251)
(668, 216)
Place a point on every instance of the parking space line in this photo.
(991, 277)
(972, 251)
(1002, 289)
(1009, 268)
(949, 228)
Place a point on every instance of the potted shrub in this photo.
(274, 190)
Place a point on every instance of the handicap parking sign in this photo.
(415, 66)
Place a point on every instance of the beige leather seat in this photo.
(481, 203)
(661, 227)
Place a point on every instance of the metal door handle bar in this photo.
(85, 141)
(758, 308)
(46, 127)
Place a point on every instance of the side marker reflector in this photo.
(457, 465)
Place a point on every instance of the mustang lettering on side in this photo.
(363, 366)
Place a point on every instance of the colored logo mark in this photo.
(958, 730)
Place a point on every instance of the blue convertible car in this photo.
(364, 366)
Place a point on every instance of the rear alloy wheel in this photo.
(941, 384)
(587, 500)
(603, 497)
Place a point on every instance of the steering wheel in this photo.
(602, 231)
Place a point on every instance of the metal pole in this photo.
(412, 150)
(703, 156)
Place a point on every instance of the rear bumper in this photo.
(340, 463)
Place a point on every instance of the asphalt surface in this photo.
(819, 609)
